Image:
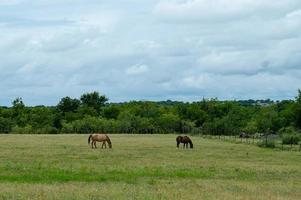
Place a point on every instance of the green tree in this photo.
(192, 112)
(111, 112)
(298, 110)
(85, 111)
(40, 116)
(68, 104)
(93, 100)
(268, 120)
(18, 103)
(5, 125)
(169, 123)
(19, 112)
(251, 127)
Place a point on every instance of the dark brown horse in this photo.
(184, 139)
(99, 138)
(244, 135)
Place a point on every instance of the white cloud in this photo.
(137, 69)
(9, 2)
(180, 49)
(221, 10)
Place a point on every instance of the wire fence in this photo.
(272, 141)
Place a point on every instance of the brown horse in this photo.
(184, 139)
(99, 138)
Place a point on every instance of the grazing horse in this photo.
(185, 140)
(244, 135)
(99, 138)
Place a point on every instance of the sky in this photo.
(149, 49)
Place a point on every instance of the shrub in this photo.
(294, 138)
(5, 125)
(46, 130)
(23, 130)
(30, 130)
(91, 125)
(287, 130)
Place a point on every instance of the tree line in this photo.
(92, 113)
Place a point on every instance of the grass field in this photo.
(143, 167)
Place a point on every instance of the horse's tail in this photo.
(178, 142)
(89, 139)
(109, 142)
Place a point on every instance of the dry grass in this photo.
(143, 167)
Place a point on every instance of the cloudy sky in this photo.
(149, 49)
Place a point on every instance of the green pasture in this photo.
(144, 167)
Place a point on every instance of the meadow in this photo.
(143, 167)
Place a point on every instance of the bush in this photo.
(87, 125)
(30, 130)
(294, 138)
(92, 125)
(67, 128)
(46, 130)
(251, 127)
(287, 130)
(5, 125)
(22, 130)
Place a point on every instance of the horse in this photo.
(244, 135)
(184, 139)
(99, 138)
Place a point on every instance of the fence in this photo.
(271, 141)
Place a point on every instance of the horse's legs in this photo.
(105, 144)
(95, 144)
